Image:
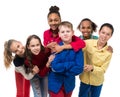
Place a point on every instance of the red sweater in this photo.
(40, 60)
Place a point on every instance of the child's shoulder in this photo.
(95, 37)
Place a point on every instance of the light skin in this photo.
(18, 49)
(34, 46)
(65, 34)
(104, 35)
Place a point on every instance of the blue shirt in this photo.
(65, 66)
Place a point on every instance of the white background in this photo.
(20, 18)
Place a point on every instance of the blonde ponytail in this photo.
(8, 58)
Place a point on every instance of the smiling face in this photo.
(86, 29)
(17, 48)
(34, 46)
(54, 21)
(105, 34)
(66, 33)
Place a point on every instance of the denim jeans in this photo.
(87, 90)
(39, 86)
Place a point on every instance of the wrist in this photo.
(48, 64)
(67, 46)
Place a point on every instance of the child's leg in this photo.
(44, 86)
(26, 88)
(61, 93)
(95, 91)
(68, 94)
(35, 83)
(84, 90)
(19, 84)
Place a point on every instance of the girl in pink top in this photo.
(51, 35)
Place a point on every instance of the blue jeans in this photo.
(87, 90)
(39, 86)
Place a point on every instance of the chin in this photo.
(36, 53)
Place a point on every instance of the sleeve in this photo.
(77, 68)
(102, 69)
(77, 43)
(60, 66)
(21, 69)
(43, 72)
(18, 61)
(45, 39)
(71, 67)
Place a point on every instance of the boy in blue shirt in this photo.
(64, 65)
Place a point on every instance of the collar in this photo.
(103, 49)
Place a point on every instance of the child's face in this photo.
(105, 34)
(34, 46)
(54, 21)
(86, 28)
(66, 34)
(17, 48)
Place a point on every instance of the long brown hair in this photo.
(28, 53)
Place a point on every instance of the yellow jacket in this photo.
(100, 59)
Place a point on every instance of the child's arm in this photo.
(110, 49)
(78, 66)
(76, 44)
(21, 69)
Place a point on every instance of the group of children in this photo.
(52, 68)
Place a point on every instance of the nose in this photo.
(65, 33)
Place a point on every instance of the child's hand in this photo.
(58, 48)
(35, 69)
(110, 49)
(50, 59)
(88, 68)
(51, 44)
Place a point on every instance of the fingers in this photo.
(88, 68)
(35, 69)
